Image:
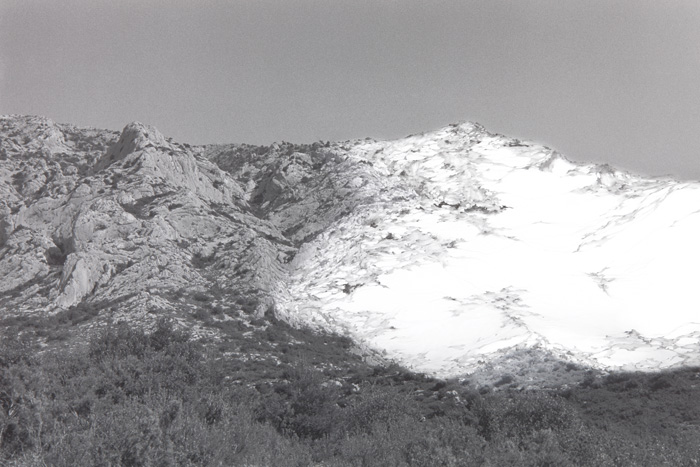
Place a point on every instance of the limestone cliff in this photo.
(132, 223)
(446, 250)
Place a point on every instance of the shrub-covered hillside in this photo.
(162, 398)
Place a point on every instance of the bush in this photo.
(131, 397)
(523, 414)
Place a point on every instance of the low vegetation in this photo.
(291, 397)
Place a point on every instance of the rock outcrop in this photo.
(445, 249)
(130, 223)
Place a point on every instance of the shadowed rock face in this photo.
(134, 222)
(446, 249)
(132, 219)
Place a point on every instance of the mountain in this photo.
(451, 252)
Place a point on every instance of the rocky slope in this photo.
(447, 250)
(480, 244)
(132, 224)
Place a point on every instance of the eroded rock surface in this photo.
(446, 250)
(131, 219)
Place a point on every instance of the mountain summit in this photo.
(446, 251)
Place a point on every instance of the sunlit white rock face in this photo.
(480, 243)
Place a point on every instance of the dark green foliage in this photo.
(56, 327)
(140, 207)
(200, 261)
(519, 417)
(505, 379)
(55, 256)
(201, 297)
(136, 398)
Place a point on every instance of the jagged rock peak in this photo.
(136, 136)
(468, 127)
(463, 129)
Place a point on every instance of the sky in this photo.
(615, 81)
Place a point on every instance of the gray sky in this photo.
(615, 81)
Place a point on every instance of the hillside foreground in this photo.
(452, 298)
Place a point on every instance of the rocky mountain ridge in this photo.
(445, 250)
(131, 219)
